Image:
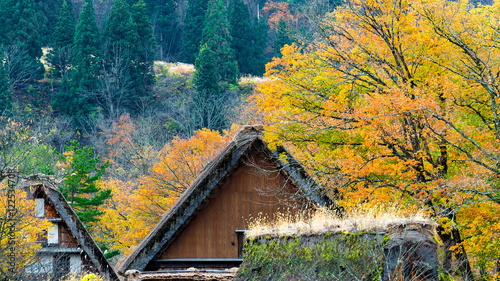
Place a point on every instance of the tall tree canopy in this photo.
(398, 102)
(62, 42)
(248, 40)
(165, 21)
(193, 28)
(19, 31)
(19, 26)
(76, 99)
(282, 37)
(217, 38)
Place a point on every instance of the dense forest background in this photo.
(384, 102)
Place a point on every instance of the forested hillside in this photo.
(126, 101)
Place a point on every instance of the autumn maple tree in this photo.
(397, 101)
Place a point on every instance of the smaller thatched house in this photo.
(202, 236)
(67, 247)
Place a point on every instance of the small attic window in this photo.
(39, 207)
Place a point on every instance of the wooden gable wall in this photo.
(247, 193)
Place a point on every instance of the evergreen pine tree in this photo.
(120, 31)
(19, 27)
(164, 19)
(208, 97)
(80, 188)
(146, 47)
(241, 33)
(248, 40)
(77, 100)
(257, 65)
(5, 95)
(282, 37)
(62, 42)
(47, 17)
(217, 38)
(193, 28)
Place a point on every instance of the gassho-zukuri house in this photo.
(202, 236)
(67, 247)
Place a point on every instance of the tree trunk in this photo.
(462, 258)
(447, 243)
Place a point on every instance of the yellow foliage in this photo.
(398, 103)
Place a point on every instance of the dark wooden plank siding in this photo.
(246, 193)
(50, 212)
(66, 240)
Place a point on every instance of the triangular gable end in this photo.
(70, 238)
(198, 205)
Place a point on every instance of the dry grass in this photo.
(323, 221)
(253, 79)
(178, 68)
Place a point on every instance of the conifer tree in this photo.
(217, 38)
(130, 41)
(146, 47)
(164, 19)
(120, 31)
(257, 64)
(248, 40)
(47, 17)
(80, 182)
(241, 33)
(62, 42)
(193, 28)
(282, 37)
(19, 28)
(5, 95)
(76, 97)
(207, 100)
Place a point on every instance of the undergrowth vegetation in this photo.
(328, 257)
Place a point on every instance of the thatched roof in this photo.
(249, 139)
(48, 186)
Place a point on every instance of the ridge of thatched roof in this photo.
(179, 215)
(62, 207)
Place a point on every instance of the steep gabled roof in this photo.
(68, 215)
(249, 138)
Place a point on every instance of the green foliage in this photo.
(62, 42)
(5, 95)
(166, 25)
(282, 37)
(120, 31)
(145, 50)
(330, 257)
(257, 65)
(193, 28)
(64, 31)
(75, 99)
(217, 38)
(47, 14)
(129, 57)
(80, 182)
(248, 41)
(42, 160)
(20, 28)
(207, 99)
